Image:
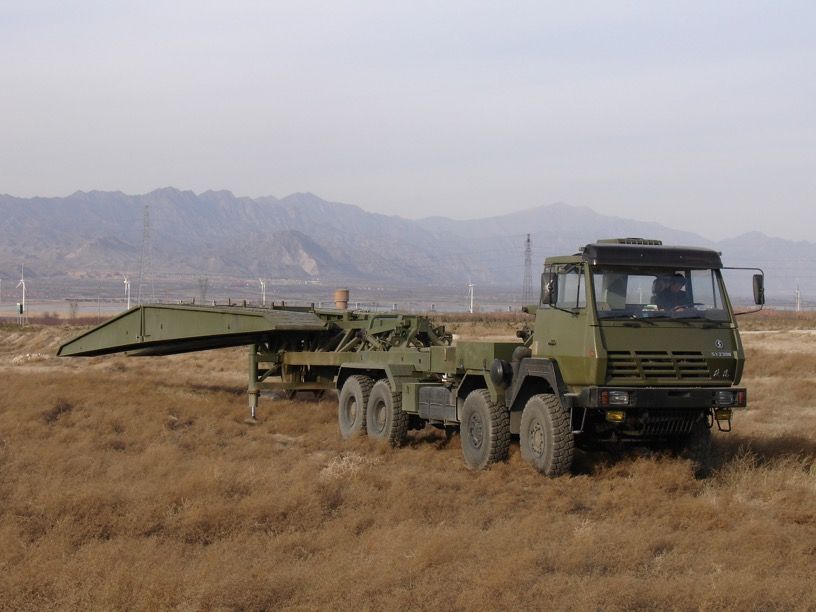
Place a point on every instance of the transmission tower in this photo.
(145, 258)
(798, 298)
(527, 289)
(203, 287)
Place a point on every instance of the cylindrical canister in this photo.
(341, 298)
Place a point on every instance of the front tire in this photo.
(351, 406)
(484, 430)
(385, 419)
(546, 435)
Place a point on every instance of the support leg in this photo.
(253, 391)
(254, 394)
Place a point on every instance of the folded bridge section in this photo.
(167, 329)
(291, 349)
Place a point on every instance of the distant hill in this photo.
(302, 236)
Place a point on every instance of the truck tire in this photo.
(351, 405)
(484, 430)
(546, 435)
(385, 419)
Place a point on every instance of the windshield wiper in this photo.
(663, 317)
(624, 316)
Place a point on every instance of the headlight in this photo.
(614, 398)
(618, 398)
(725, 398)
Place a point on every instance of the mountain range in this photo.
(303, 237)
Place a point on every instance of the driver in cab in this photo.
(673, 294)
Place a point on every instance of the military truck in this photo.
(633, 342)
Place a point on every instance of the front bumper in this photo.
(662, 397)
(654, 411)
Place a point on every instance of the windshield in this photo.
(644, 293)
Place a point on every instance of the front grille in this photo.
(668, 422)
(656, 365)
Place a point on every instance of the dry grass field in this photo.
(133, 483)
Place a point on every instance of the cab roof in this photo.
(637, 252)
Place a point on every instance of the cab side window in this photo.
(571, 287)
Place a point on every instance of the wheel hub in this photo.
(475, 430)
(379, 416)
(351, 410)
(536, 435)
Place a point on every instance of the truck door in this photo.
(562, 331)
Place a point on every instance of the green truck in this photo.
(633, 342)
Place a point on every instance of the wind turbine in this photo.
(22, 312)
(127, 291)
(470, 291)
(263, 291)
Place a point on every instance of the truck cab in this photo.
(645, 342)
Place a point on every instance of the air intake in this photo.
(646, 241)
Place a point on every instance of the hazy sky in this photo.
(698, 115)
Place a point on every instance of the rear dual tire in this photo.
(385, 420)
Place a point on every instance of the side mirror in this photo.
(549, 288)
(759, 289)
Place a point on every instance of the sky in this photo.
(696, 115)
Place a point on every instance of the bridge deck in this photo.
(165, 329)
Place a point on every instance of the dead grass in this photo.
(769, 320)
(130, 483)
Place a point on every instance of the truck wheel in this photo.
(351, 406)
(697, 447)
(546, 435)
(484, 430)
(385, 419)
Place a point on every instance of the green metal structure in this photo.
(633, 342)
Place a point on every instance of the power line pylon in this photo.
(527, 289)
(145, 258)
